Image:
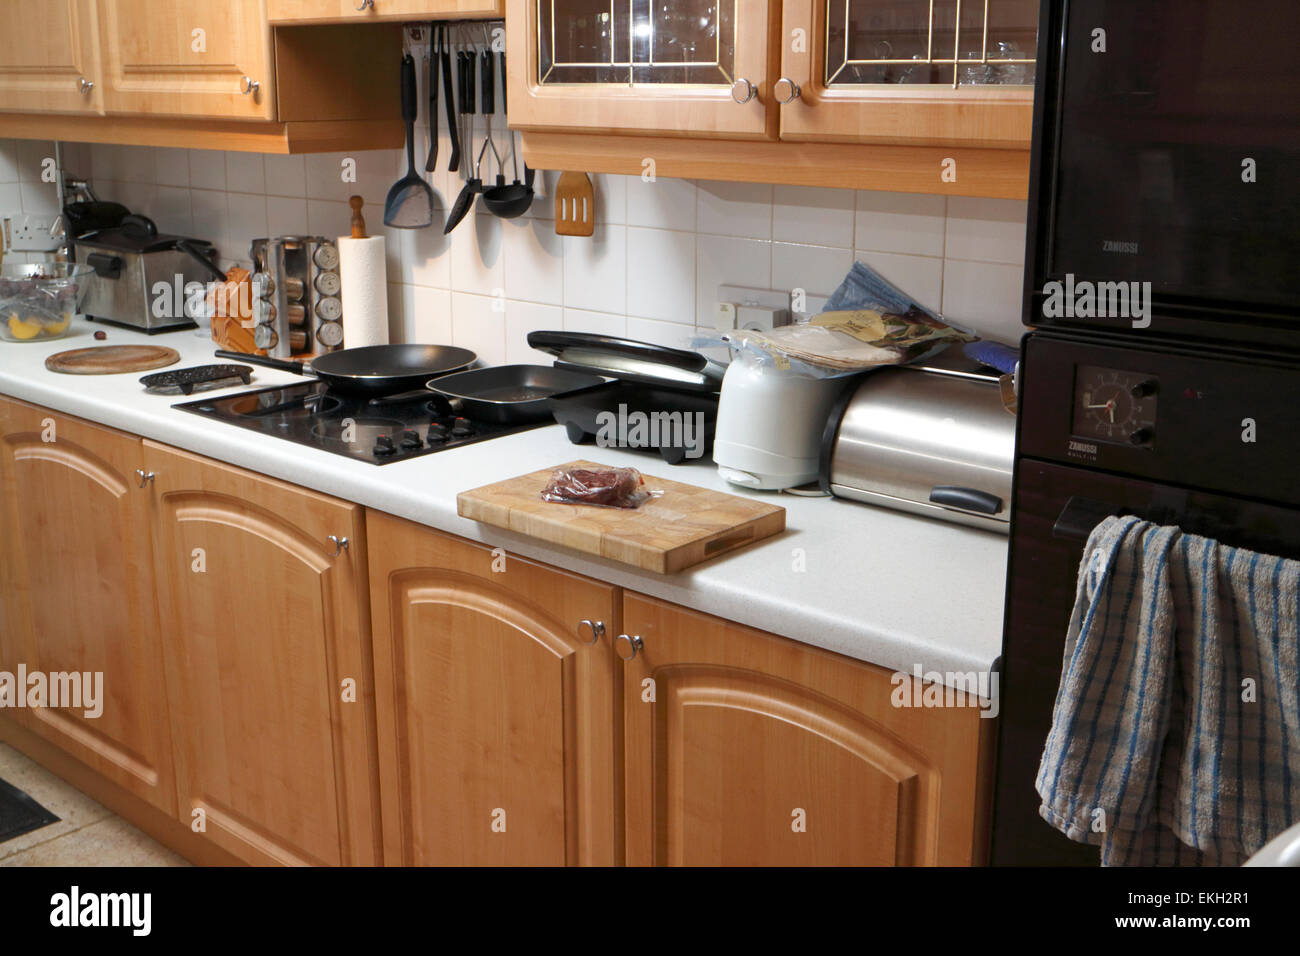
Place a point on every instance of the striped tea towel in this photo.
(1176, 733)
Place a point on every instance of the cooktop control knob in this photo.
(384, 445)
(460, 428)
(410, 439)
(437, 433)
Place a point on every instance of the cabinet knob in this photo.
(632, 642)
(340, 544)
(366, 5)
(84, 85)
(145, 476)
(785, 90)
(742, 91)
(595, 628)
(249, 86)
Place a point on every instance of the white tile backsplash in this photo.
(814, 215)
(986, 230)
(651, 271)
(661, 274)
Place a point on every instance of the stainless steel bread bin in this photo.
(928, 441)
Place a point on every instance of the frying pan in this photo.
(506, 394)
(372, 369)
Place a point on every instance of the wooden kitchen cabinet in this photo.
(362, 11)
(267, 639)
(908, 72)
(670, 69)
(187, 58)
(77, 592)
(49, 57)
(497, 719)
(735, 739)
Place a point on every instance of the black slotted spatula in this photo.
(410, 202)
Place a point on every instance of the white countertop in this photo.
(877, 585)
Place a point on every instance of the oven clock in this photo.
(1115, 406)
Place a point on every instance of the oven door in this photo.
(1055, 508)
(1167, 138)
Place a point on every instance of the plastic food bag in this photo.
(867, 322)
(605, 487)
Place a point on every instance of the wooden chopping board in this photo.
(108, 359)
(681, 528)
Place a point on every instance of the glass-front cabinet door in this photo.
(923, 72)
(683, 67)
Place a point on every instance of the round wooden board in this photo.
(108, 359)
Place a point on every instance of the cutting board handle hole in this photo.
(721, 544)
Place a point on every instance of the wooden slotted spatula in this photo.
(575, 204)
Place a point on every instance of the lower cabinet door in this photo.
(496, 716)
(265, 626)
(77, 596)
(745, 749)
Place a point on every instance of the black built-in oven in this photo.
(1167, 151)
(1169, 433)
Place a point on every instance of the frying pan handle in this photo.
(284, 365)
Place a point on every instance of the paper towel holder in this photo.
(358, 221)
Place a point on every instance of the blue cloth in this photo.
(1176, 730)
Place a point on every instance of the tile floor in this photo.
(86, 834)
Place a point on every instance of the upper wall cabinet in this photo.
(49, 56)
(187, 57)
(692, 68)
(359, 11)
(922, 72)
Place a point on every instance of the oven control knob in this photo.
(1144, 389)
(384, 445)
(437, 433)
(411, 439)
(1142, 436)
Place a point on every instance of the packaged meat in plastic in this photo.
(606, 487)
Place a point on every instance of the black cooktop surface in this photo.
(378, 430)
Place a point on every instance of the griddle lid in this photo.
(630, 360)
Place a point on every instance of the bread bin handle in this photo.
(967, 499)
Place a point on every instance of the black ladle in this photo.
(508, 202)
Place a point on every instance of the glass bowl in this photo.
(37, 301)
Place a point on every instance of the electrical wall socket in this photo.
(31, 233)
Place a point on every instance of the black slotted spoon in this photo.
(410, 202)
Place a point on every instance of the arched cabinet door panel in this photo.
(76, 595)
(746, 749)
(267, 638)
(496, 716)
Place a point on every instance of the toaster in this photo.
(935, 441)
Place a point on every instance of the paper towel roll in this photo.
(363, 273)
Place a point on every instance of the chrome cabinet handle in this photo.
(366, 5)
(340, 544)
(84, 85)
(633, 643)
(742, 91)
(145, 476)
(248, 86)
(786, 90)
(597, 629)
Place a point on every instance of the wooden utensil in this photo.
(575, 204)
(681, 528)
(110, 359)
